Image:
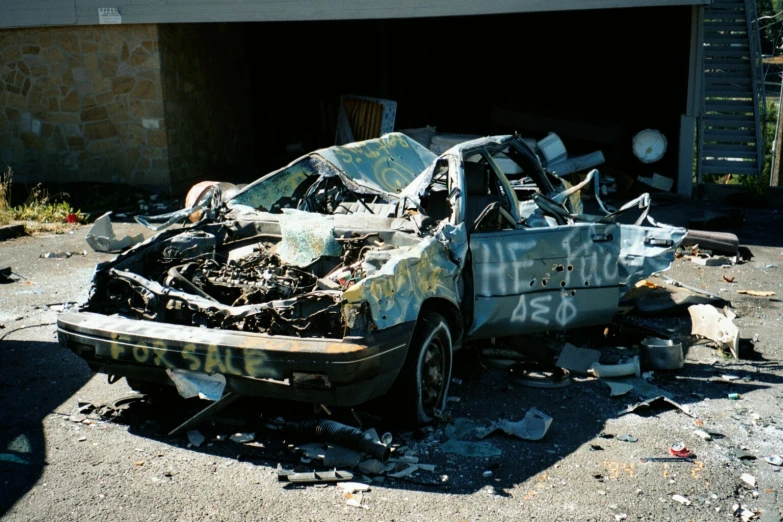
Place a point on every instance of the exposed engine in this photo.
(244, 284)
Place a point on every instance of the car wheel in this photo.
(423, 383)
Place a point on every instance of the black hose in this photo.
(342, 434)
(175, 275)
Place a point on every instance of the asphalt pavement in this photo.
(58, 465)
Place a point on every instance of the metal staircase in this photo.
(730, 126)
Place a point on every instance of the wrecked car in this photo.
(357, 271)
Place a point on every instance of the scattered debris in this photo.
(532, 427)
(748, 479)
(665, 459)
(775, 460)
(196, 438)
(407, 472)
(337, 433)
(708, 260)
(681, 500)
(314, 477)
(716, 325)
(725, 378)
(62, 255)
(101, 236)
(616, 389)
(355, 500)
(728, 279)
(487, 474)
(662, 354)
(577, 360)
(198, 384)
(353, 487)
(656, 403)
(110, 409)
(627, 438)
(702, 434)
(679, 450)
(373, 467)
(242, 438)
(616, 370)
(537, 375)
(756, 293)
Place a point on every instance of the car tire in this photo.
(422, 386)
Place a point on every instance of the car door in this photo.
(527, 280)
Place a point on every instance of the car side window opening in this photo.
(483, 188)
(436, 202)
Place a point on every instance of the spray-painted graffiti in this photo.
(543, 278)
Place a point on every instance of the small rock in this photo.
(243, 437)
(703, 434)
(81, 439)
(372, 467)
(487, 474)
(196, 438)
(748, 479)
(681, 500)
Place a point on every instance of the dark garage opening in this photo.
(594, 77)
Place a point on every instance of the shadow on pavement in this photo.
(35, 378)
(580, 413)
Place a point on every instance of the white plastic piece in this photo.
(101, 236)
(617, 370)
(716, 325)
(649, 145)
(552, 148)
(198, 384)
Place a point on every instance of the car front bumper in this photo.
(337, 372)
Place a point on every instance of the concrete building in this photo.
(171, 92)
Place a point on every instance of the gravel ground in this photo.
(129, 469)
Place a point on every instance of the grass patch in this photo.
(40, 211)
(6, 215)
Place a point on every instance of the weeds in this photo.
(40, 211)
(6, 214)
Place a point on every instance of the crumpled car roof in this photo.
(385, 165)
(388, 163)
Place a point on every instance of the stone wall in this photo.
(83, 104)
(208, 100)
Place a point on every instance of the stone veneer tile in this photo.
(73, 100)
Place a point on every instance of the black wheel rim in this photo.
(432, 375)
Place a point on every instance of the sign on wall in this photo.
(109, 15)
